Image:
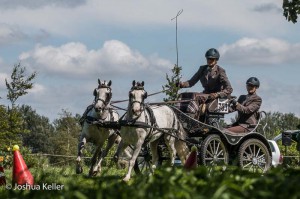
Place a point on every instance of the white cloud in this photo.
(10, 34)
(33, 4)
(231, 16)
(74, 59)
(3, 76)
(37, 88)
(269, 51)
(281, 98)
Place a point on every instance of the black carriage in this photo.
(216, 146)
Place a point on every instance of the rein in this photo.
(119, 101)
(170, 102)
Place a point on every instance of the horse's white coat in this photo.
(95, 134)
(165, 118)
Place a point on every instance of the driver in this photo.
(247, 107)
(212, 77)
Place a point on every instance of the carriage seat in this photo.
(253, 127)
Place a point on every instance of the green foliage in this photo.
(278, 122)
(19, 83)
(170, 88)
(5, 156)
(291, 156)
(65, 137)
(291, 10)
(39, 129)
(4, 126)
(165, 183)
(12, 126)
(31, 159)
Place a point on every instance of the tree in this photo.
(39, 130)
(171, 88)
(66, 135)
(291, 10)
(279, 122)
(19, 83)
(5, 135)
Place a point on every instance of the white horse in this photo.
(162, 117)
(92, 131)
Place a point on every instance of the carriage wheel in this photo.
(143, 163)
(254, 156)
(213, 151)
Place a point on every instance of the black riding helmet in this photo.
(253, 81)
(212, 54)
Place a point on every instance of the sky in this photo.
(72, 43)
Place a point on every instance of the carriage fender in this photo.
(259, 137)
(240, 138)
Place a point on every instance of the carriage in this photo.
(216, 146)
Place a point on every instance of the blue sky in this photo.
(72, 43)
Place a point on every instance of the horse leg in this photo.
(133, 158)
(182, 150)
(81, 145)
(94, 169)
(122, 148)
(170, 142)
(110, 142)
(181, 146)
(153, 148)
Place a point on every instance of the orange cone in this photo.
(2, 176)
(21, 174)
(191, 162)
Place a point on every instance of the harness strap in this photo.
(139, 124)
(84, 115)
(152, 121)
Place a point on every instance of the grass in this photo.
(164, 183)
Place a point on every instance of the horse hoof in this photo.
(93, 173)
(126, 179)
(79, 170)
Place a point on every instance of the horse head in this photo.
(137, 96)
(102, 95)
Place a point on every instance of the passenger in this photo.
(212, 77)
(247, 107)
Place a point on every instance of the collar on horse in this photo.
(139, 124)
(93, 120)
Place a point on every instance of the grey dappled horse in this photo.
(158, 116)
(99, 111)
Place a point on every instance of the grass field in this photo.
(164, 183)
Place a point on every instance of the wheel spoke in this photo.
(209, 153)
(254, 156)
(246, 165)
(250, 150)
(258, 151)
(211, 149)
(221, 152)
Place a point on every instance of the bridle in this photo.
(141, 103)
(105, 102)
